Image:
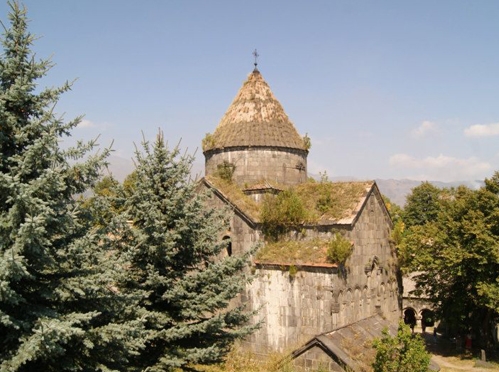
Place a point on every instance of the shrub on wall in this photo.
(339, 249)
(282, 213)
(226, 170)
(208, 142)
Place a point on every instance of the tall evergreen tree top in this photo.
(57, 312)
(177, 257)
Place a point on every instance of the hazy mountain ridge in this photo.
(395, 190)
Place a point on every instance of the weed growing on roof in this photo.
(294, 252)
(282, 213)
(226, 170)
(339, 249)
(208, 142)
(236, 196)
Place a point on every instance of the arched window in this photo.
(410, 317)
(229, 245)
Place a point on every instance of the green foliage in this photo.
(58, 309)
(325, 198)
(281, 213)
(339, 249)
(101, 212)
(398, 232)
(422, 205)
(307, 142)
(293, 270)
(174, 248)
(395, 210)
(208, 142)
(130, 184)
(404, 352)
(457, 255)
(226, 170)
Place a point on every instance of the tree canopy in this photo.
(403, 352)
(177, 263)
(456, 255)
(57, 312)
(422, 205)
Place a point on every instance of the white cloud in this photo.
(425, 129)
(86, 124)
(482, 130)
(442, 168)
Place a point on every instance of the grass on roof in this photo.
(330, 200)
(236, 196)
(294, 252)
(321, 200)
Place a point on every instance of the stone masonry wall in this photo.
(284, 166)
(295, 308)
(243, 236)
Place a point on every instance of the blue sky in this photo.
(385, 89)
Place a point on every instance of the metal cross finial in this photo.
(256, 55)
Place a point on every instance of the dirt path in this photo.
(455, 364)
(445, 355)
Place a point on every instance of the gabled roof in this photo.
(342, 207)
(255, 119)
(350, 346)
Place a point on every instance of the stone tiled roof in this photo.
(255, 118)
(351, 346)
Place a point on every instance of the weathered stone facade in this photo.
(285, 166)
(297, 306)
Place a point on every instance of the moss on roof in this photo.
(332, 201)
(302, 252)
(255, 118)
(232, 192)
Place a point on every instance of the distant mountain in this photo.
(119, 167)
(395, 190)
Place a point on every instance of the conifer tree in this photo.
(176, 259)
(58, 308)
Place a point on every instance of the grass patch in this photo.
(330, 200)
(236, 196)
(294, 252)
(306, 203)
(240, 360)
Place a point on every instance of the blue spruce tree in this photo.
(59, 308)
(175, 246)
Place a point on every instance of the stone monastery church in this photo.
(316, 301)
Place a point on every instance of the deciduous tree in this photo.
(422, 205)
(404, 352)
(457, 257)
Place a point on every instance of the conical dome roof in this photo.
(255, 118)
